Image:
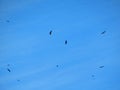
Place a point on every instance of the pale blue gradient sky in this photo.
(33, 54)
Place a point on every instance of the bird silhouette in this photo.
(18, 80)
(101, 67)
(103, 32)
(8, 70)
(7, 21)
(8, 64)
(66, 42)
(93, 75)
(50, 32)
(56, 65)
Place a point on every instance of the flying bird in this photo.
(50, 32)
(103, 32)
(56, 65)
(101, 67)
(18, 80)
(8, 64)
(7, 21)
(65, 41)
(93, 75)
(8, 70)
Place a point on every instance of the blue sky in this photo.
(33, 54)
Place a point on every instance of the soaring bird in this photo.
(7, 21)
(93, 75)
(18, 80)
(8, 64)
(65, 41)
(101, 67)
(8, 70)
(50, 32)
(56, 65)
(103, 32)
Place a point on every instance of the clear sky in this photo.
(31, 59)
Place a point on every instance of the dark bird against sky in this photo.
(101, 67)
(8, 70)
(7, 21)
(8, 64)
(18, 80)
(50, 32)
(65, 41)
(103, 32)
(56, 65)
(93, 75)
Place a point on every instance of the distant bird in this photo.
(56, 65)
(103, 32)
(50, 32)
(93, 75)
(7, 21)
(101, 67)
(8, 70)
(18, 80)
(8, 64)
(66, 42)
